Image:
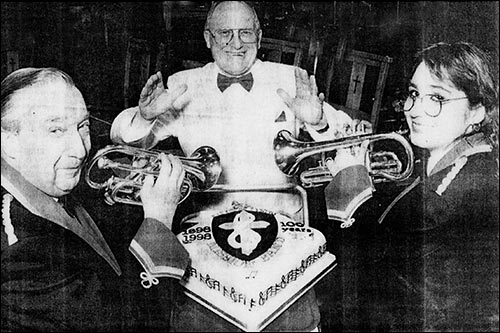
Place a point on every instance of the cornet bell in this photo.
(121, 170)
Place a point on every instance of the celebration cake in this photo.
(248, 265)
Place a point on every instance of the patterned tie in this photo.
(246, 81)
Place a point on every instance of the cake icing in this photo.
(248, 264)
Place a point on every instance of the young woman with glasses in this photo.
(430, 260)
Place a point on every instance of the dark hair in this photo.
(25, 78)
(216, 4)
(470, 70)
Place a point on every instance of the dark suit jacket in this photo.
(59, 274)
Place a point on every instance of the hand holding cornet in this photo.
(353, 155)
(126, 169)
(345, 157)
(164, 191)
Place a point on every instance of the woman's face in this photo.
(437, 133)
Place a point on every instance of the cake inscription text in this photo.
(264, 296)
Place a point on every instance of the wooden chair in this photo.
(137, 64)
(141, 61)
(365, 88)
(141, 57)
(282, 51)
(275, 50)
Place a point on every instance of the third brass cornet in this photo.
(382, 165)
(123, 169)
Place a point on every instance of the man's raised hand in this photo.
(155, 99)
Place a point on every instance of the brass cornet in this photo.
(129, 167)
(382, 166)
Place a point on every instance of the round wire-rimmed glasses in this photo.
(225, 36)
(433, 104)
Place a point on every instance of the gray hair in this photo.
(25, 78)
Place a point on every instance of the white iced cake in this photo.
(248, 265)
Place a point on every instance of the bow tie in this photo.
(223, 82)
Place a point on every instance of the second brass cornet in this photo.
(123, 169)
(382, 165)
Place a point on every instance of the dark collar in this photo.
(466, 146)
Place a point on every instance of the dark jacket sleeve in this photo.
(344, 196)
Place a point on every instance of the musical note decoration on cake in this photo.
(252, 275)
(250, 264)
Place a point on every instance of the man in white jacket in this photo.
(236, 104)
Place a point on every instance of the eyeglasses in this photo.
(433, 104)
(225, 36)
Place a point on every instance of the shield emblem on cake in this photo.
(245, 234)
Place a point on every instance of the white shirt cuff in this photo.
(122, 130)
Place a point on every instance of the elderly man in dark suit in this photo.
(58, 271)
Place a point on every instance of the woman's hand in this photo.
(356, 155)
(357, 127)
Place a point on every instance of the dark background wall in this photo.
(89, 39)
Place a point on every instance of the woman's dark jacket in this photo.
(430, 260)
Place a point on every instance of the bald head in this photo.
(223, 10)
